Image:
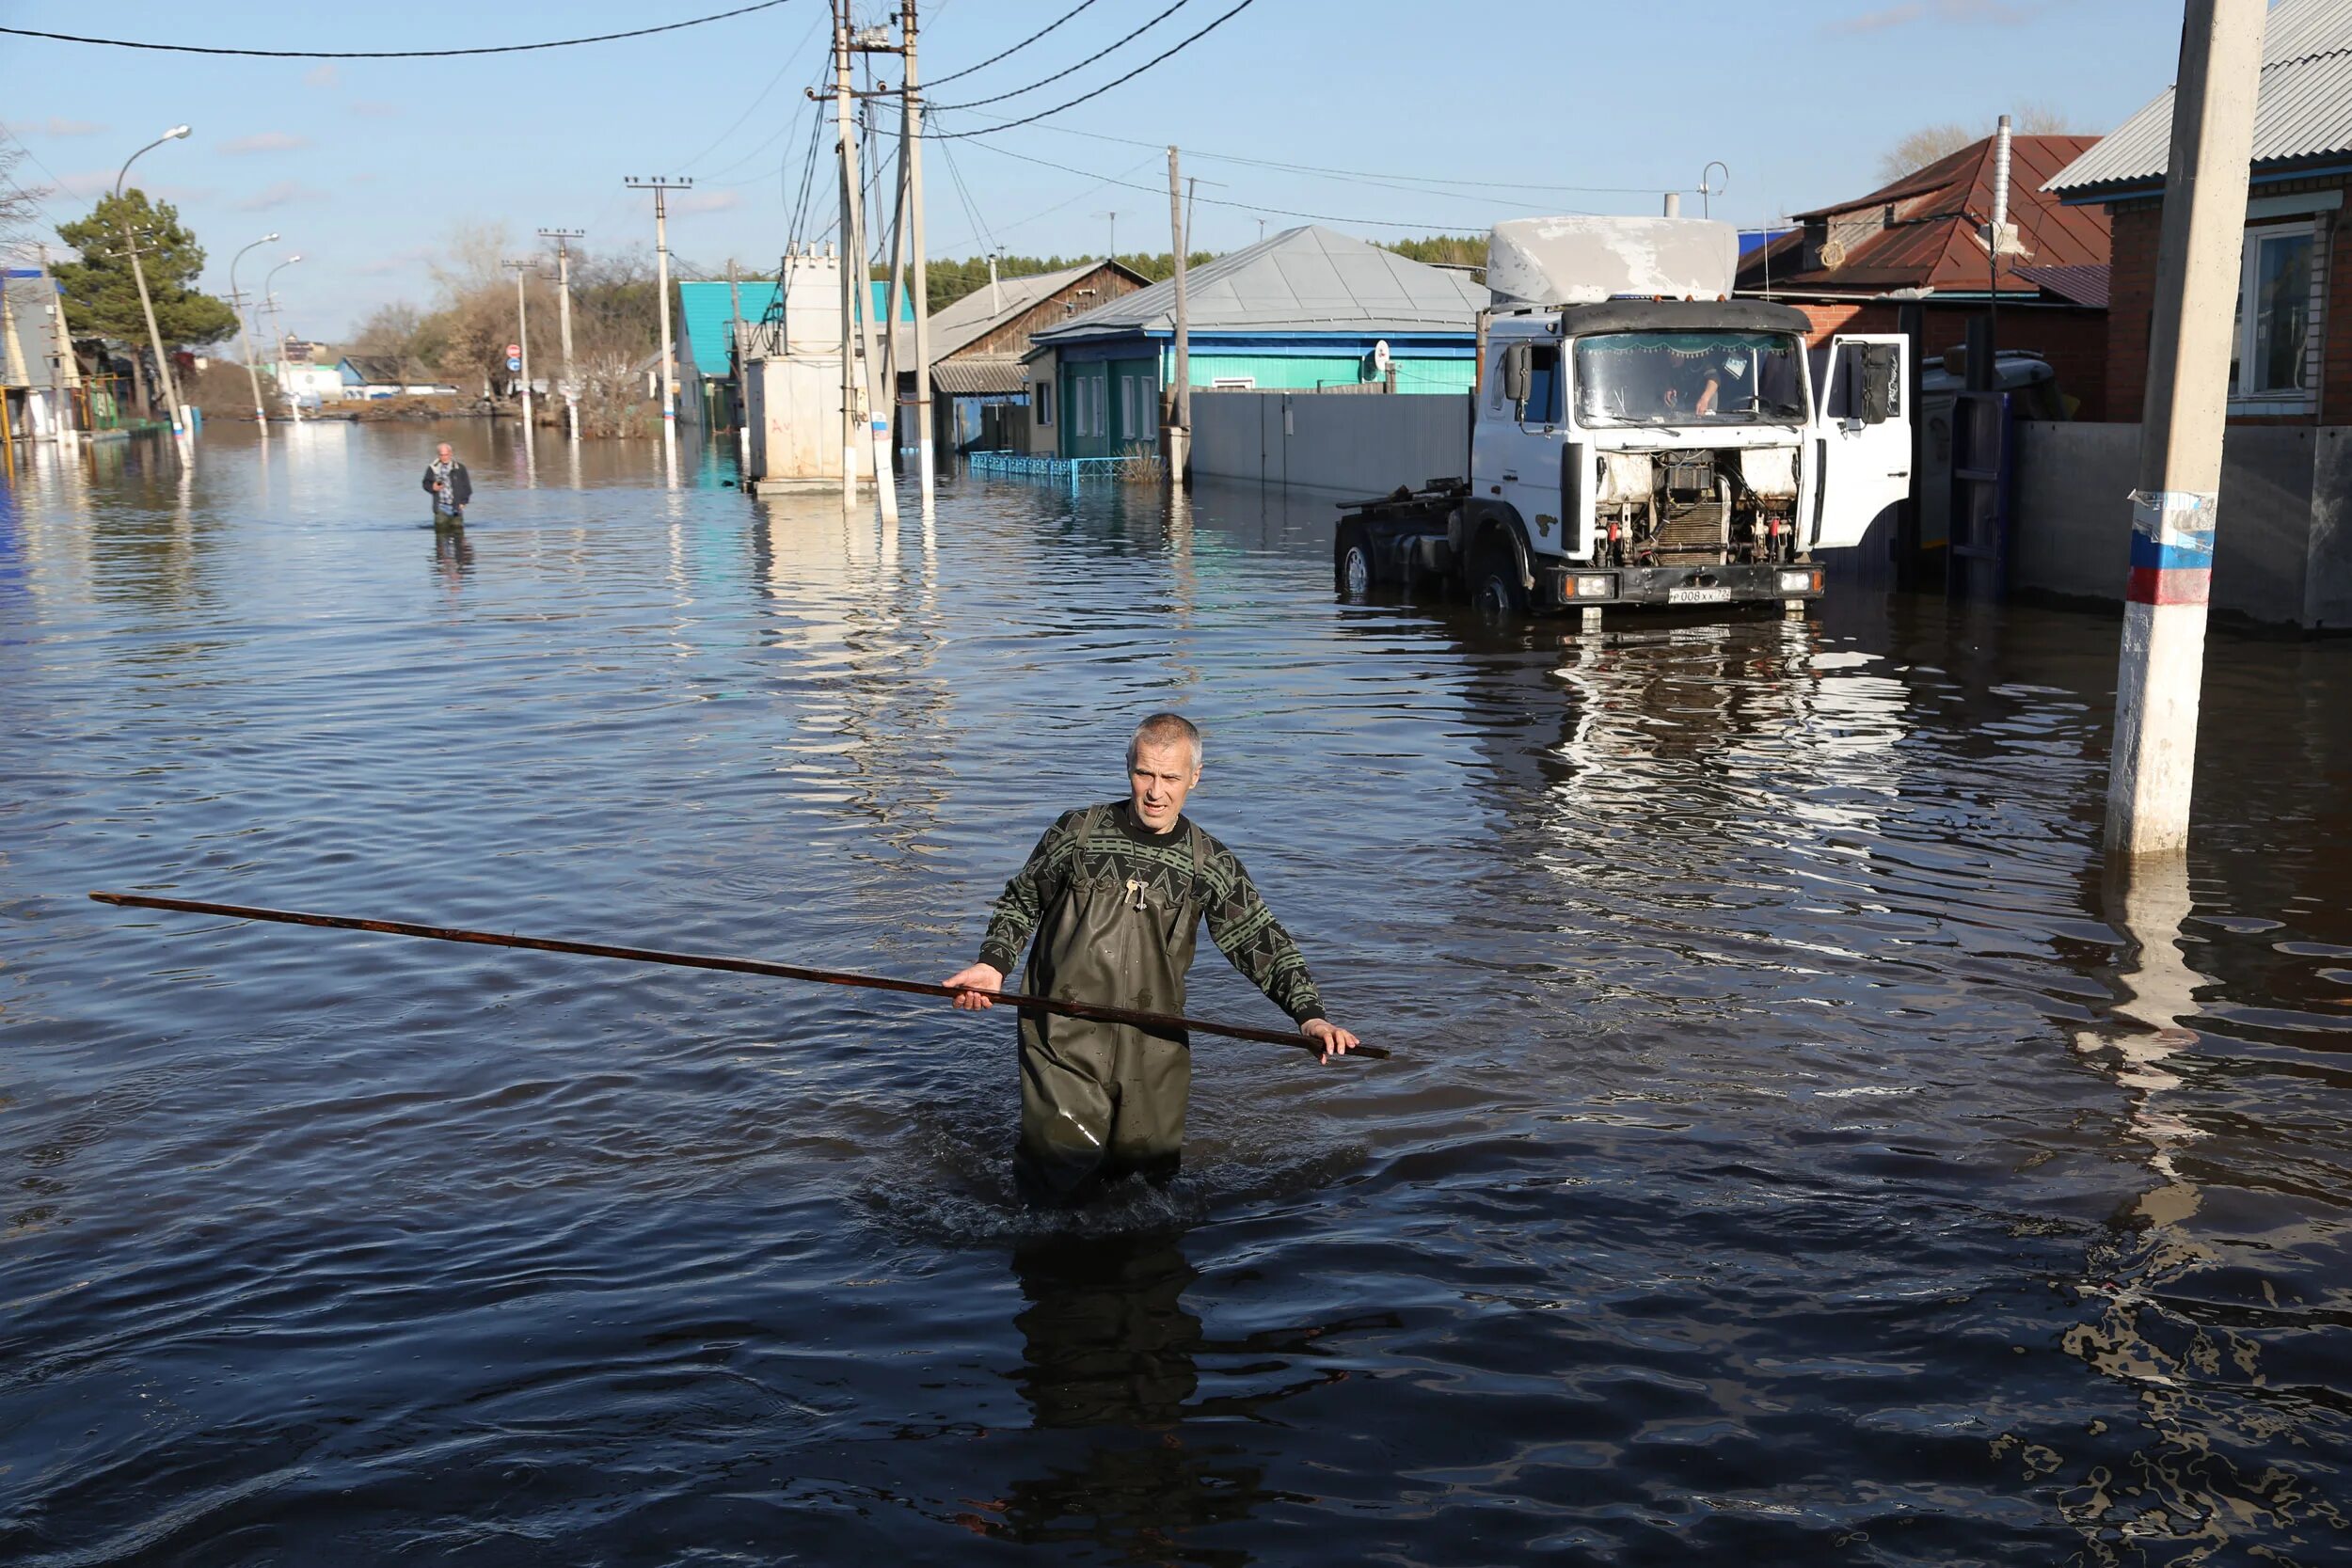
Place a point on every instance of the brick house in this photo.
(2293, 358)
(1850, 265)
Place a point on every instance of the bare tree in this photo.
(18, 205)
(1928, 143)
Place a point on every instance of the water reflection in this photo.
(1109, 1350)
(453, 556)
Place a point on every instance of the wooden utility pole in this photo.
(910, 151)
(563, 238)
(1176, 449)
(2163, 659)
(522, 335)
(661, 188)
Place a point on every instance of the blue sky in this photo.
(1437, 116)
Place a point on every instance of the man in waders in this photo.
(1114, 895)
(451, 487)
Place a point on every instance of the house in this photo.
(1850, 265)
(31, 372)
(2293, 358)
(1307, 309)
(979, 393)
(387, 375)
(707, 394)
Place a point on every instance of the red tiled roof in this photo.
(1935, 239)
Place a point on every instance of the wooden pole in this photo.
(1164, 1023)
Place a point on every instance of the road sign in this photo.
(514, 363)
(514, 351)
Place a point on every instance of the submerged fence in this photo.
(1134, 468)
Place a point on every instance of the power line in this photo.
(717, 140)
(1016, 49)
(1220, 201)
(1173, 49)
(388, 54)
(1047, 81)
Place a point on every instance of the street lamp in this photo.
(138, 273)
(252, 374)
(294, 409)
(1706, 207)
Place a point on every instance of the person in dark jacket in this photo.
(1107, 906)
(451, 487)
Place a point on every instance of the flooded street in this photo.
(1794, 1150)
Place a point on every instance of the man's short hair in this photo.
(1164, 729)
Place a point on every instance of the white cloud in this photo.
(56, 125)
(324, 74)
(1997, 12)
(399, 261)
(284, 193)
(704, 201)
(265, 141)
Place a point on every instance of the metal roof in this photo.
(976, 314)
(979, 375)
(1307, 279)
(36, 331)
(1926, 230)
(2304, 110)
(2076, 285)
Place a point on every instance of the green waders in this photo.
(1101, 1101)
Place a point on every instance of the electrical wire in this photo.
(1048, 80)
(388, 54)
(721, 136)
(1008, 53)
(1106, 86)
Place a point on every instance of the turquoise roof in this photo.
(706, 306)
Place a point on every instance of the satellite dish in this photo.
(1380, 359)
(1833, 254)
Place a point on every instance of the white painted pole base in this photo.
(2155, 757)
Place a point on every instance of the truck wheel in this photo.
(1495, 586)
(1352, 573)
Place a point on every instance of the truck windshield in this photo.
(1688, 378)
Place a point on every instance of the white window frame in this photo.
(2305, 399)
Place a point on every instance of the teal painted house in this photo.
(1304, 310)
(707, 390)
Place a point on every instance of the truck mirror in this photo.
(1515, 373)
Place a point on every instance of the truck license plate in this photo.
(1699, 596)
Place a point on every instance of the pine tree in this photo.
(102, 296)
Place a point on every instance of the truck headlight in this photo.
(1595, 588)
(1800, 583)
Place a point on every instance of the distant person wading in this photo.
(1113, 896)
(451, 487)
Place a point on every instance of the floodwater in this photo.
(1795, 1150)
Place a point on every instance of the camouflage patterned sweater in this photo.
(1239, 922)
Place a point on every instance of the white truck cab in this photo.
(1667, 448)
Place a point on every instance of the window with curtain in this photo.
(2278, 317)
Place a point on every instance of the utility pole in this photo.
(1113, 256)
(66, 371)
(858, 294)
(910, 151)
(236, 298)
(563, 238)
(2154, 752)
(146, 304)
(522, 270)
(662, 186)
(1176, 447)
(851, 284)
(1997, 240)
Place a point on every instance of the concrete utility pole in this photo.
(1176, 450)
(910, 151)
(269, 302)
(2181, 425)
(252, 375)
(66, 371)
(661, 187)
(563, 238)
(138, 274)
(522, 271)
(844, 156)
(856, 286)
(1997, 240)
